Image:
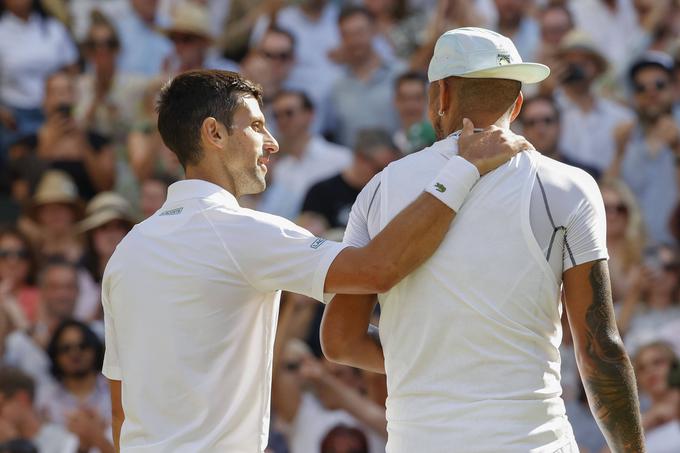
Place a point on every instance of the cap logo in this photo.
(503, 59)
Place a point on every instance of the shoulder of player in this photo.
(560, 178)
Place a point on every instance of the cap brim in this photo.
(101, 218)
(522, 72)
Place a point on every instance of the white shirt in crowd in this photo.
(471, 338)
(29, 52)
(292, 177)
(191, 304)
(54, 439)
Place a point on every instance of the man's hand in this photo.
(491, 148)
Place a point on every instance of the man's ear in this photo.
(517, 107)
(444, 97)
(213, 133)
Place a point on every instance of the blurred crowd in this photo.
(81, 161)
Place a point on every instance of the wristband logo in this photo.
(439, 187)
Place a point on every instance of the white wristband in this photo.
(454, 182)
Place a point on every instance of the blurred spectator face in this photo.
(15, 264)
(16, 408)
(146, 9)
(108, 236)
(555, 23)
(411, 101)
(652, 364)
(380, 7)
(152, 197)
(582, 60)
(344, 440)
(665, 267)
(653, 92)
(59, 290)
(101, 48)
(540, 125)
(58, 218)
(277, 49)
(292, 119)
(75, 357)
(19, 8)
(510, 11)
(190, 48)
(617, 213)
(59, 91)
(356, 32)
(371, 162)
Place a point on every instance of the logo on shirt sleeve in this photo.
(439, 187)
(317, 243)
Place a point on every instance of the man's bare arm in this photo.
(117, 413)
(347, 337)
(605, 368)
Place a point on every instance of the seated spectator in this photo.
(109, 217)
(153, 192)
(18, 293)
(333, 198)
(363, 96)
(515, 22)
(52, 215)
(78, 399)
(143, 47)
(647, 149)
(304, 158)
(540, 121)
(107, 98)
(235, 34)
(32, 46)
(26, 349)
(588, 120)
(21, 420)
(192, 39)
(661, 420)
(555, 21)
(343, 439)
(658, 23)
(415, 132)
(625, 236)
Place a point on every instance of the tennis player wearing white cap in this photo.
(470, 339)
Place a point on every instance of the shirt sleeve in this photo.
(275, 254)
(111, 368)
(586, 229)
(364, 210)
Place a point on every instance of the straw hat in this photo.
(104, 208)
(190, 18)
(55, 186)
(581, 41)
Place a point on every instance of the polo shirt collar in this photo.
(198, 188)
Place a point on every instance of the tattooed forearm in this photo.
(608, 376)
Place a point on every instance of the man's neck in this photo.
(211, 173)
(81, 387)
(296, 146)
(368, 67)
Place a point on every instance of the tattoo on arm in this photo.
(609, 378)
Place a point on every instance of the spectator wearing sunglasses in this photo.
(18, 294)
(647, 150)
(24, 430)
(78, 398)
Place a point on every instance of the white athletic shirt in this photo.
(471, 338)
(191, 304)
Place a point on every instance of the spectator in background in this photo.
(107, 98)
(143, 47)
(588, 120)
(109, 217)
(344, 439)
(306, 158)
(192, 39)
(153, 192)
(18, 446)
(20, 420)
(410, 99)
(389, 16)
(515, 22)
(26, 349)
(660, 421)
(647, 149)
(363, 96)
(659, 22)
(333, 198)
(18, 293)
(555, 21)
(32, 46)
(540, 120)
(78, 399)
(625, 236)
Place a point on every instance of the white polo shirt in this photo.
(191, 300)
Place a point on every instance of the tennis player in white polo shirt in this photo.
(191, 294)
(470, 339)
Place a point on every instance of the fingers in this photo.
(468, 128)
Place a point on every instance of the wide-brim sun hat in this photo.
(190, 18)
(479, 53)
(577, 40)
(55, 186)
(104, 208)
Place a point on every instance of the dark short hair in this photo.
(340, 431)
(539, 98)
(90, 339)
(369, 140)
(32, 257)
(355, 10)
(191, 97)
(305, 100)
(410, 76)
(556, 6)
(13, 381)
(280, 31)
(54, 262)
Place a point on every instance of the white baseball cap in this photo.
(483, 54)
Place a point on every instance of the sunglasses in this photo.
(21, 254)
(657, 85)
(107, 44)
(184, 38)
(618, 208)
(280, 56)
(545, 120)
(284, 113)
(67, 348)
